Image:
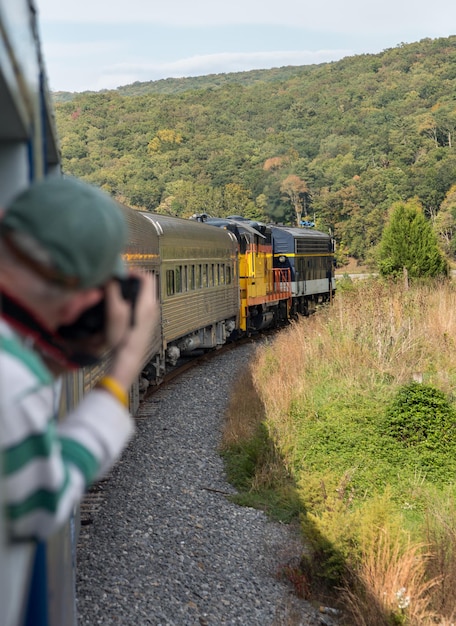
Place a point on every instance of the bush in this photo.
(421, 414)
(422, 423)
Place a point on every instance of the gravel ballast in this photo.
(166, 546)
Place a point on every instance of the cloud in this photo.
(331, 15)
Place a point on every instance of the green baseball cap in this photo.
(81, 227)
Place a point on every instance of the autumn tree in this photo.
(165, 137)
(409, 244)
(273, 163)
(297, 191)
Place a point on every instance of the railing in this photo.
(281, 282)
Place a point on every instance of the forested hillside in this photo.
(338, 141)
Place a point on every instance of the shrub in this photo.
(421, 414)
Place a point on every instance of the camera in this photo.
(92, 321)
(129, 288)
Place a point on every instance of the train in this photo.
(218, 279)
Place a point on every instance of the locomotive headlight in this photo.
(282, 258)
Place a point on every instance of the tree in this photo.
(409, 243)
(164, 137)
(235, 199)
(445, 222)
(296, 190)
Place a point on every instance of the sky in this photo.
(104, 44)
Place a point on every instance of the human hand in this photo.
(130, 343)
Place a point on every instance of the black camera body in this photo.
(92, 321)
(129, 288)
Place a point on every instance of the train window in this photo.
(222, 273)
(179, 279)
(185, 278)
(191, 284)
(211, 275)
(170, 282)
(216, 274)
(243, 243)
(199, 283)
(205, 276)
(228, 275)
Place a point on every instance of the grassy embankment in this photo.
(347, 423)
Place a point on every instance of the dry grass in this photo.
(390, 585)
(244, 412)
(441, 536)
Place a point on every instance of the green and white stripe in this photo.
(47, 465)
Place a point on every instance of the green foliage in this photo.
(167, 86)
(281, 503)
(333, 448)
(420, 414)
(422, 421)
(363, 133)
(408, 242)
(340, 532)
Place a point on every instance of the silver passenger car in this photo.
(199, 288)
(142, 252)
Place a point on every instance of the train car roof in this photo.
(297, 233)
(289, 239)
(236, 226)
(186, 229)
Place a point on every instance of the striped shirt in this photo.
(47, 465)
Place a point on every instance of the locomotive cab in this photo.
(309, 256)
